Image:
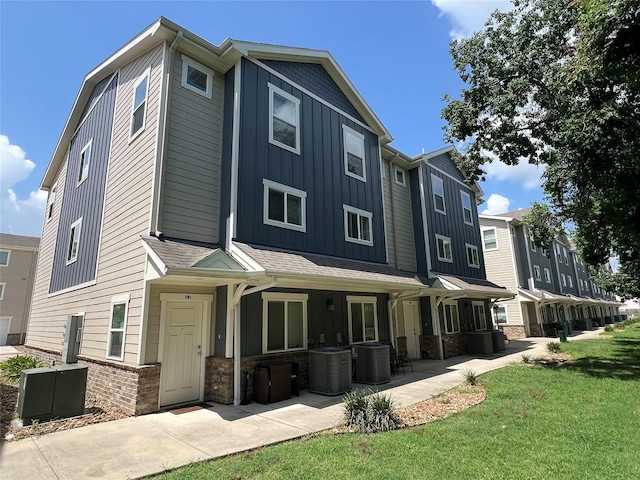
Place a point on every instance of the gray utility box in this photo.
(55, 392)
(330, 370)
(373, 363)
(498, 341)
(480, 343)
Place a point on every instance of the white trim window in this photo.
(118, 327)
(2, 288)
(51, 201)
(479, 315)
(358, 225)
(473, 258)
(558, 251)
(355, 164)
(443, 247)
(580, 284)
(284, 119)
(284, 322)
(536, 272)
(532, 243)
(547, 275)
(139, 107)
(400, 176)
(489, 239)
(570, 281)
(363, 319)
(5, 256)
(196, 77)
(284, 206)
(466, 208)
(437, 185)
(566, 255)
(564, 279)
(451, 317)
(74, 241)
(85, 162)
(500, 314)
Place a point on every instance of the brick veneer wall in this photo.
(514, 332)
(429, 347)
(454, 344)
(135, 389)
(535, 329)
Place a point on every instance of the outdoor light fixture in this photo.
(330, 305)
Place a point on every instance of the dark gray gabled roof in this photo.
(180, 253)
(20, 241)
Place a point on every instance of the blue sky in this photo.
(395, 53)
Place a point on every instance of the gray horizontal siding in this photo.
(191, 192)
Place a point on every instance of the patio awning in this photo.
(473, 287)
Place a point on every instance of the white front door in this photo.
(412, 327)
(182, 352)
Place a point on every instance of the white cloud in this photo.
(18, 216)
(525, 173)
(496, 204)
(468, 16)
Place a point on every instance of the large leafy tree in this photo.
(557, 82)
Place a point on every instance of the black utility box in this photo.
(272, 382)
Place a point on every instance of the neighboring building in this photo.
(18, 256)
(215, 207)
(553, 286)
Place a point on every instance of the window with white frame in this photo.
(466, 208)
(138, 114)
(570, 281)
(284, 206)
(363, 319)
(479, 317)
(51, 200)
(563, 277)
(443, 247)
(586, 286)
(5, 255)
(358, 225)
(354, 156)
(547, 275)
(400, 176)
(580, 284)
(451, 318)
(2, 287)
(532, 243)
(489, 239)
(437, 184)
(284, 321)
(558, 250)
(473, 259)
(85, 161)
(196, 77)
(500, 314)
(118, 327)
(284, 119)
(536, 272)
(565, 255)
(74, 241)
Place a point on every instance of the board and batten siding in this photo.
(191, 190)
(122, 258)
(319, 171)
(398, 213)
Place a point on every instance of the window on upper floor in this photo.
(547, 275)
(284, 119)
(570, 281)
(489, 239)
(357, 225)
(138, 114)
(532, 243)
(5, 255)
(284, 206)
(586, 286)
(473, 259)
(400, 176)
(580, 284)
(565, 255)
(363, 319)
(2, 287)
(563, 277)
(443, 247)
(451, 318)
(354, 156)
(500, 314)
(74, 241)
(466, 208)
(437, 184)
(85, 161)
(536, 272)
(196, 77)
(51, 201)
(558, 250)
(117, 327)
(284, 321)
(479, 317)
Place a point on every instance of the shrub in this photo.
(368, 412)
(526, 358)
(553, 347)
(610, 328)
(10, 369)
(470, 376)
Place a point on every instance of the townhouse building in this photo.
(215, 207)
(553, 286)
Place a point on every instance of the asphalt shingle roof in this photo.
(10, 240)
(180, 253)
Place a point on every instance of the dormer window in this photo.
(284, 122)
(354, 157)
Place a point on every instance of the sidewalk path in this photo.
(149, 444)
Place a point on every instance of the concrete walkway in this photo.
(7, 351)
(149, 444)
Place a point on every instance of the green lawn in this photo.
(580, 420)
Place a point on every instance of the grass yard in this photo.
(578, 420)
